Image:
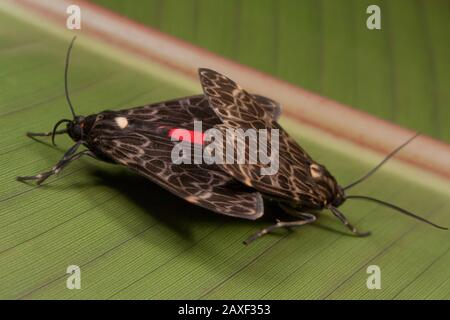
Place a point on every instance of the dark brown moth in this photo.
(140, 139)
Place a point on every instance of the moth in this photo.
(141, 139)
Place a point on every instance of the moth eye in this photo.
(77, 132)
(315, 171)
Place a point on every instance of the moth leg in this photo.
(293, 212)
(45, 134)
(344, 220)
(307, 218)
(68, 157)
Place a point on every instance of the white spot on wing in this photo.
(122, 122)
(315, 171)
(206, 195)
(192, 199)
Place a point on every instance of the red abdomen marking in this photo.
(187, 135)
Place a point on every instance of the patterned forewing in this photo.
(232, 104)
(240, 110)
(272, 108)
(144, 146)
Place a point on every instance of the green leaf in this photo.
(132, 239)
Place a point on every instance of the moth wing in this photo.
(233, 105)
(238, 109)
(146, 149)
(178, 113)
(290, 179)
(272, 107)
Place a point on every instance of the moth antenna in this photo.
(390, 155)
(392, 206)
(66, 71)
(56, 128)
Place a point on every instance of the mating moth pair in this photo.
(139, 139)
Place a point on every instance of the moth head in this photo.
(76, 128)
(339, 197)
(334, 193)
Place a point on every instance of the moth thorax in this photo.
(315, 171)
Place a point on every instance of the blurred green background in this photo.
(400, 73)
